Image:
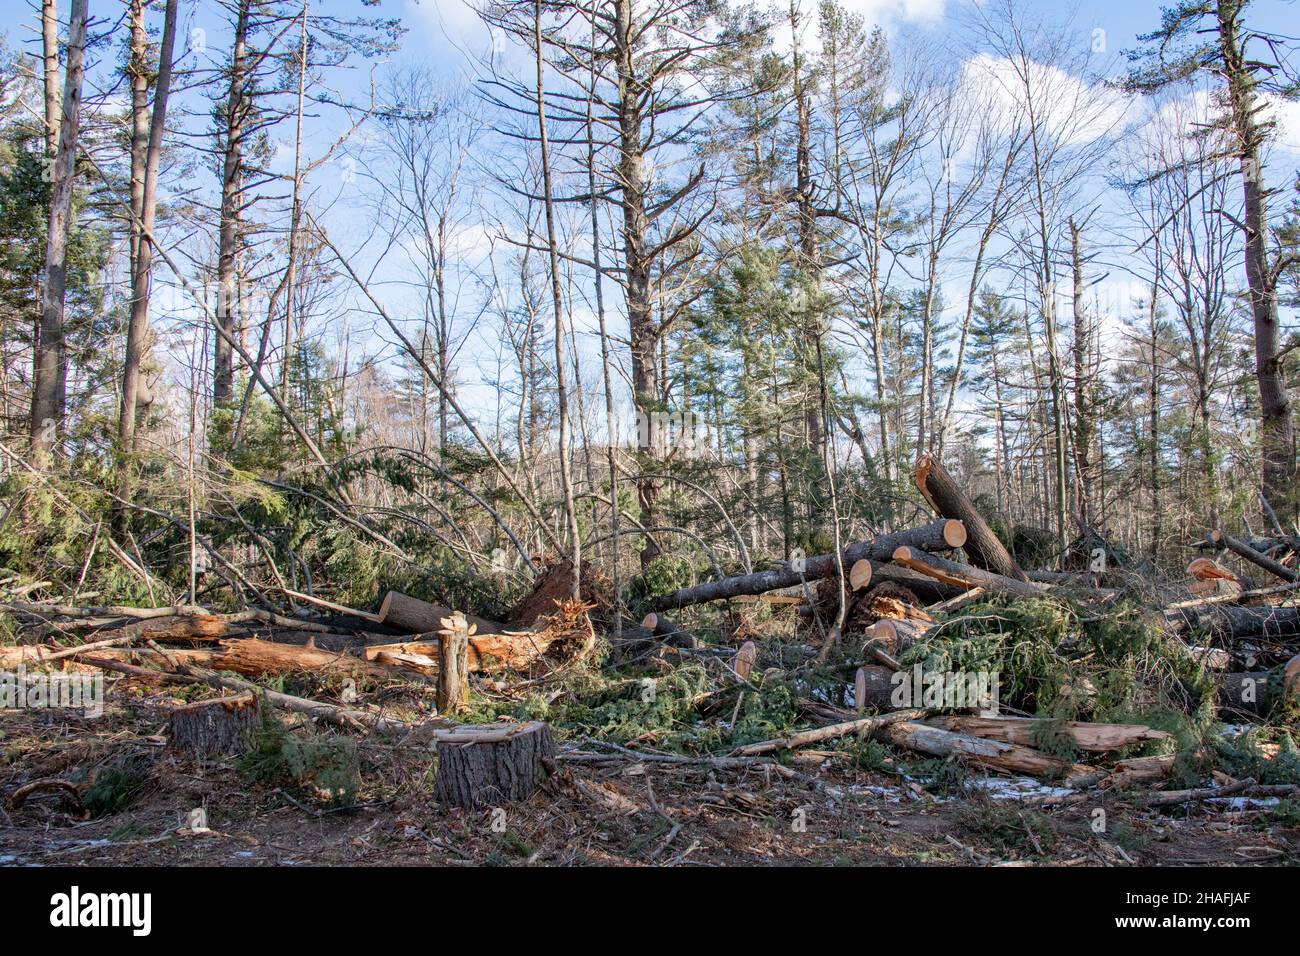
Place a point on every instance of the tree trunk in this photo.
(1244, 550)
(940, 534)
(965, 576)
(210, 729)
(233, 122)
(145, 158)
(481, 766)
(948, 500)
(453, 661)
(420, 617)
(1277, 439)
(1099, 738)
(50, 64)
(976, 750)
(50, 374)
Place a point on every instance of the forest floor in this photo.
(620, 811)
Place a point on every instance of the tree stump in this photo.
(214, 728)
(480, 766)
(453, 664)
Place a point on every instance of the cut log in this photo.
(1252, 692)
(1204, 569)
(487, 652)
(860, 574)
(746, 657)
(488, 765)
(966, 576)
(947, 499)
(926, 589)
(938, 535)
(1242, 549)
(660, 626)
(1216, 587)
(256, 657)
(897, 636)
(1138, 770)
(420, 617)
(865, 727)
(453, 662)
(1224, 621)
(214, 729)
(994, 754)
(1099, 738)
(873, 688)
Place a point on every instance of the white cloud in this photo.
(1073, 110)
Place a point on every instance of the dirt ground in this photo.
(598, 810)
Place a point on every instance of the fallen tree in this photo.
(1099, 738)
(995, 754)
(965, 576)
(947, 498)
(938, 535)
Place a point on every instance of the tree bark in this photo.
(986, 753)
(948, 500)
(485, 766)
(1099, 738)
(420, 617)
(940, 534)
(965, 576)
(214, 728)
(1277, 438)
(50, 373)
(453, 661)
(233, 131)
(50, 65)
(1242, 549)
(145, 157)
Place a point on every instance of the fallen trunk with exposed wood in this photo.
(1099, 738)
(410, 614)
(995, 754)
(939, 535)
(948, 500)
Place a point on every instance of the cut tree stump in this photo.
(482, 766)
(213, 729)
(453, 664)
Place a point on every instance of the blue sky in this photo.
(439, 34)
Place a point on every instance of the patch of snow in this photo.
(1017, 788)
